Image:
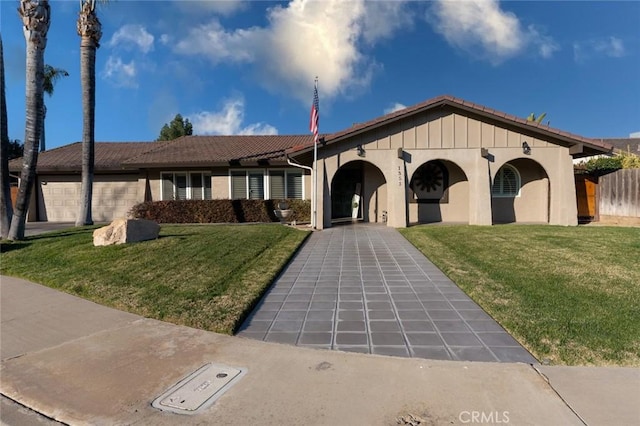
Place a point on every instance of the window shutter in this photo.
(256, 186)
(207, 187)
(167, 186)
(181, 187)
(294, 185)
(509, 182)
(196, 186)
(506, 182)
(276, 189)
(238, 185)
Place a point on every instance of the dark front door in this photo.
(343, 189)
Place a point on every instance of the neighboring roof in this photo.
(219, 150)
(631, 145)
(594, 146)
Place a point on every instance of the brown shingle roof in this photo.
(68, 158)
(219, 150)
(445, 100)
(624, 144)
(189, 151)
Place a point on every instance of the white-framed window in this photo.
(266, 184)
(185, 185)
(506, 182)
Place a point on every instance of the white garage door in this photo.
(113, 197)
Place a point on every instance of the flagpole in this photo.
(314, 223)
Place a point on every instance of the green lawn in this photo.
(207, 277)
(571, 295)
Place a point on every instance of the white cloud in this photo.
(228, 121)
(383, 18)
(302, 40)
(119, 73)
(224, 7)
(545, 44)
(612, 47)
(394, 107)
(482, 28)
(220, 45)
(130, 36)
(166, 39)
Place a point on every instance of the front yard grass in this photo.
(207, 277)
(570, 295)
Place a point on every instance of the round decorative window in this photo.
(429, 182)
(428, 177)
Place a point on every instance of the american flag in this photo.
(315, 114)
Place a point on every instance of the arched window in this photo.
(507, 182)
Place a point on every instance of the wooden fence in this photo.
(619, 193)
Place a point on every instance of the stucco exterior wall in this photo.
(399, 149)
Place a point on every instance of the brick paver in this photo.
(364, 288)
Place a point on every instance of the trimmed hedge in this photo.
(219, 211)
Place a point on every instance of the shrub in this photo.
(603, 165)
(630, 161)
(218, 211)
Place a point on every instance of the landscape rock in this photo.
(122, 231)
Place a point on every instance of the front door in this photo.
(346, 184)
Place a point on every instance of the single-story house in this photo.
(443, 160)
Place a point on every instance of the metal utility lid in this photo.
(199, 390)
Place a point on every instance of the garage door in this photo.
(113, 197)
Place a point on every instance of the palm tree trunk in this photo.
(42, 135)
(90, 31)
(36, 18)
(6, 207)
(88, 78)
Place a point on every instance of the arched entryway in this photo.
(358, 192)
(520, 193)
(438, 192)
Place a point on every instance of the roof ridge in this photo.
(462, 103)
(155, 148)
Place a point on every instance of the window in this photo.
(294, 185)
(276, 184)
(186, 186)
(506, 182)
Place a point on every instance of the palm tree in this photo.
(90, 32)
(51, 76)
(36, 17)
(6, 208)
(533, 119)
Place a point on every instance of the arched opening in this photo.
(520, 193)
(438, 192)
(358, 192)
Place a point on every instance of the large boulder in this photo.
(122, 231)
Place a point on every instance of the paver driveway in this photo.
(364, 288)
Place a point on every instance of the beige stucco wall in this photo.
(548, 191)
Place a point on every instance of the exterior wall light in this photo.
(526, 149)
(361, 152)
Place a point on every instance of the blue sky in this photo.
(248, 66)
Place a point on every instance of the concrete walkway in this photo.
(365, 288)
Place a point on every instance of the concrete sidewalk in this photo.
(82, 363)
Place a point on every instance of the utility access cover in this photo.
(199, 390)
